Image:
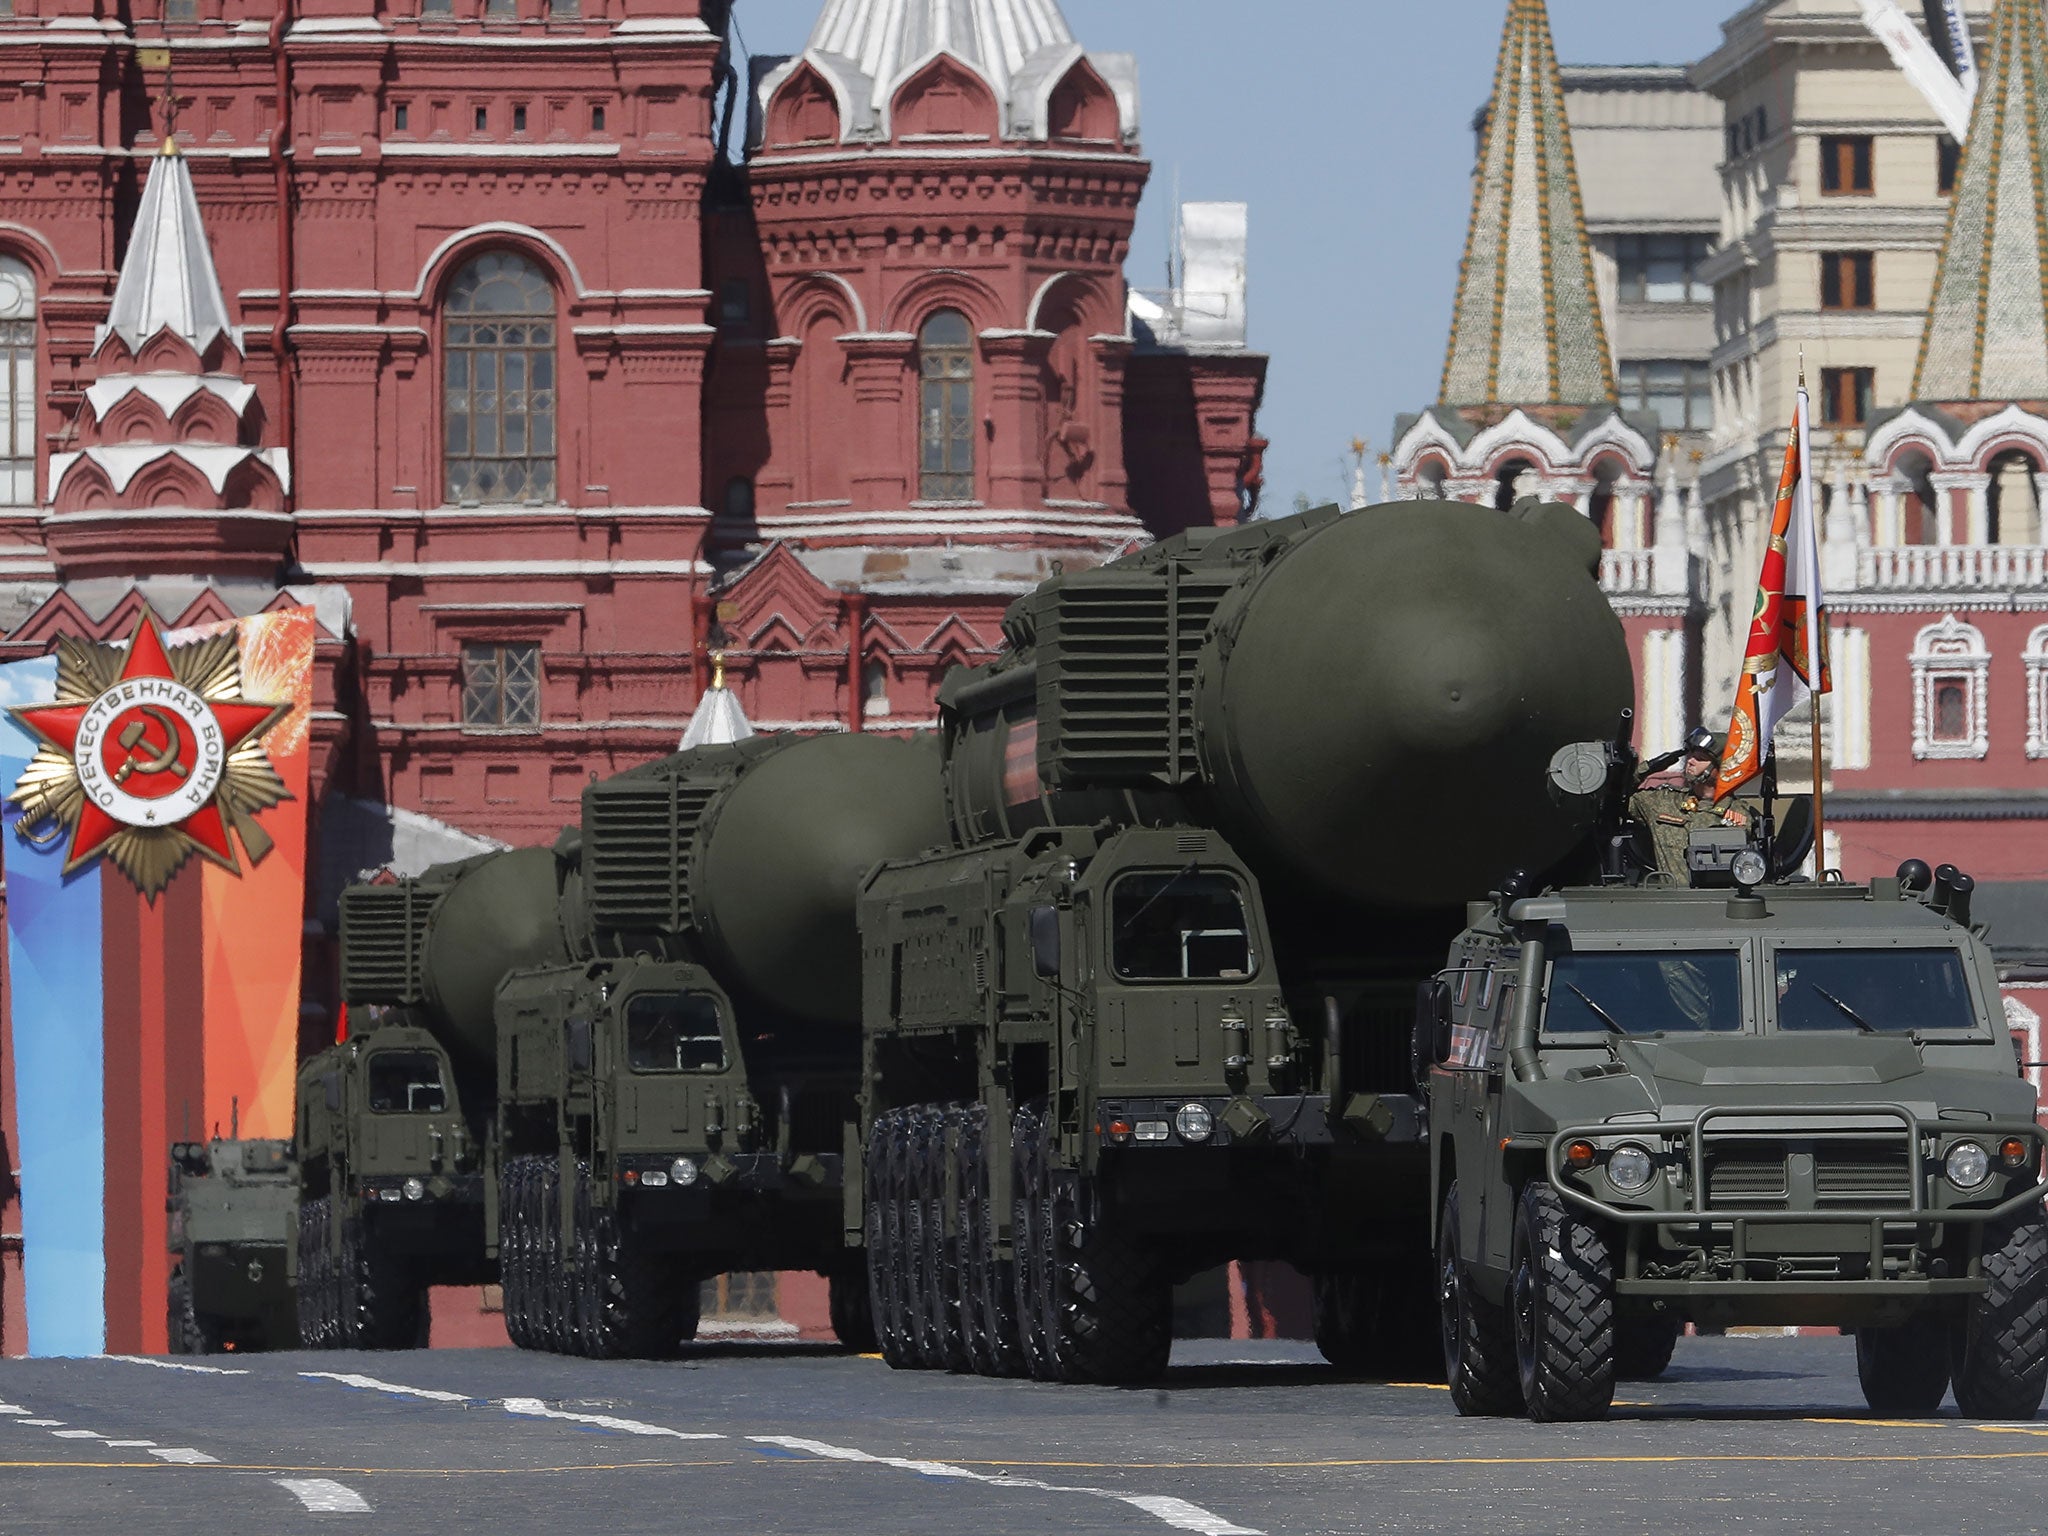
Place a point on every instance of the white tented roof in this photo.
(867, 49)
(718, 722)
(167, 278)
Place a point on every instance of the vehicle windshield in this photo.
(674, 1033)
(1181, 925)
(1674, 992)
(1873, 991)
(406, 1082)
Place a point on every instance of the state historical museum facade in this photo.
(567, 353)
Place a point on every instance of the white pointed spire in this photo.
(719, 720)
(167, 278)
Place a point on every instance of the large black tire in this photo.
(1107, 1304)
(1643, 1345)
(1342, 1307)
(946, 1240)
(1478, 1342)
(1031, 1218)
(881, 1231)
(1904, 1370)
(556, 1304)
(2000, 1346)
(1561, 1300)
(512, 1274)
(989, 1284)
(923, 1229)
(311, 1292)
(646, 1306)
(850, 1305)
(383, 1305)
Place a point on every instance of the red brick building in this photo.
(544, 342)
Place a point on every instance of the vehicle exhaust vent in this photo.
(638, 834)
(383, 933)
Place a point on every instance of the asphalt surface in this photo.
(1743, 1435)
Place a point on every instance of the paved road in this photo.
(1749, 1434)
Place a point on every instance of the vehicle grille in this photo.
(1851, 1175)
(1846, 1174)
(1746, 1178)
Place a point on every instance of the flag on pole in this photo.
(1786, 658)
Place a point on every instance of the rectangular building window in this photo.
(735, 303)
(519, 119)
(181, 10)
(1847, 280)
(1845, 396)
(500, 687)
(437, 7)
(1679, 394)
(401, 118)
(501, 10)
(1845, 164)
(597, 119)
(1949, 159)
(1661, 269)
(565, 10)
(483, 119)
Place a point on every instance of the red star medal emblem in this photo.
(150, 752)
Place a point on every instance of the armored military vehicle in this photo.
(1212, 814)
(1732, 1102)
(654, 1029)
(232, 1210)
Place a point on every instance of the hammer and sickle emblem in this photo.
(149, 760)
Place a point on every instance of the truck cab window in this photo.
(406, 1083)
(1872, 991)
(674, 1034)
(1677, 992)
(1183, 925)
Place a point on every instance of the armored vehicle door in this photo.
(1481, 992)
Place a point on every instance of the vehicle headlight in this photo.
(1748, 868)
(1194, 1122)
(1630, 1169)
(414, 1189)
(1967, 1165)
(683, 1170)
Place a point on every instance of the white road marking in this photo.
(397, 1389)
(41, 1423)
(11, 1408)
(78, 1434)
(132, 1444)
(324, 1496)
(184, 1456)
(176, 1365)
(534, 1408)
(1178, 1513)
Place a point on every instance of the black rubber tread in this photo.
(1904, 1370)
(1478, 1341)
(881, 1240)
(311, 1296)
(586, 1302)
(1342, 1304)
(512, 1251)
(1030, 1217)
(389, 1310)
(554, 1302)
(947, 1186)
(995, 1280)
(1644, 1344)
(850, 1306)
(1561, 1298)
(1999, 1365)
(973, 1241)
(922, 1235)
(1109, 1313)
(645, 1306)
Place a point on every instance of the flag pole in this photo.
(1815, 649)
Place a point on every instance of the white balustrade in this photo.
(1953, 568)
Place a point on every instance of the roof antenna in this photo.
(235, 1118)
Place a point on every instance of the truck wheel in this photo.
(1561, 1298)
(1904, 1370)
(381, 1302)
(1478, 1343)
(850, 1306)
(512, 1250)
(1643, 1345)
(647, 1307)
(584, 1290)
(554, 1311)
(312, 1290)
(946, 1244)
(1030, 1218)
(921, 1233)
(1108, 1307)
(882, 1255)
(991, 1281)
(1341, 1307)
(2000, 1346)
(177, 1303)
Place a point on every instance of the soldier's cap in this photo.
(1701, 742)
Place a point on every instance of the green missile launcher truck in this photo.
(232, 1208)
(654, 1027)
(1732, 1102)
(1213, 813)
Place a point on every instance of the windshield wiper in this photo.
(1847, 1012)
(1597, 1011)
(1193, 867)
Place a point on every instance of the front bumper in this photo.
(1859, 1209)
(1260, 1120)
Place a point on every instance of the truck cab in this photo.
(1791, 1104)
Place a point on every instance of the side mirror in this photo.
(579, 1045)
(1433, 1023)
(330, 1088)
(1045, 942)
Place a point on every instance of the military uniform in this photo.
(1673, 814)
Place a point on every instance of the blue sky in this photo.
(1346, 125)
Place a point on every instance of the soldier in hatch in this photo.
(1672, 812)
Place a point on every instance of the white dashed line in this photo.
(397, 1389)
(132, 1445)
(78, 1434)
(12, 1408)
(534, 1408)
(184, 1456)
(41, 1423)
(176, 1365)
(324, 1496)
(1178, 1513)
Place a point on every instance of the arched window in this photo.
(2037, 693)
(1951, 677)
(945, 350)
(499, 335)
(18, 381)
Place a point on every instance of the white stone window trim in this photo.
(2036, 657)
(1951, 650)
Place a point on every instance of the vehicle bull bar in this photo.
(1801, 1123)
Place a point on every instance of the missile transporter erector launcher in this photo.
(658, 1018)
(1212, 816)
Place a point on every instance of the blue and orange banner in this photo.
(136, 1020)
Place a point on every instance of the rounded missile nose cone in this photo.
(1395, 691)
